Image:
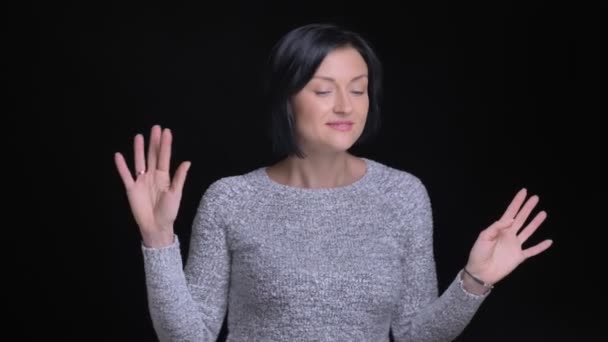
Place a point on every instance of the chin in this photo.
(332, 144)
(340, 147)
(328, 148)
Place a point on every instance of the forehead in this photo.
(342, 63)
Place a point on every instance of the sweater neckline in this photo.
(355, 185)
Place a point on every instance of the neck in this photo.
(320, 170)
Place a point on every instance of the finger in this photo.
(140, 159)
(515, 204)
(180, 177)
(123, 170)
(154, 146)
(522, 216)
(493, 230)
(164, 157)
(537, 249)
(532, 226)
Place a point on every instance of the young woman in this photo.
(323, 245)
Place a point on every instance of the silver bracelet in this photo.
(477, 280)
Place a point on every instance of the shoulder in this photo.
(395, 181)
(230, 188)
(402, 192)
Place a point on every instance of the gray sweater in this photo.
(291, 264)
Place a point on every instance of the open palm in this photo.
(498, 249)
(154, 198)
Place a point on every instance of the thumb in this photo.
(493, 230)
(180, 177)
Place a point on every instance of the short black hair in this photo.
(293, 62)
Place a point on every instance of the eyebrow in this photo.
(333, 80)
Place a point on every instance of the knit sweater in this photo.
(350, 263)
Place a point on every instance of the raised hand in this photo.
(498, 249)
(154, 198)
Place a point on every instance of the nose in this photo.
(342, 103)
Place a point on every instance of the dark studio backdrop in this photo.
(480, 100)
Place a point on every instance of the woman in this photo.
(322, 245)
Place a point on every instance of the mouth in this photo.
(342, 126)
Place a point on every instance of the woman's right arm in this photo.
(189, 304)
(186, 303)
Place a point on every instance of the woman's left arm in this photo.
(422, 314)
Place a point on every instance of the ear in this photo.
(291, 113)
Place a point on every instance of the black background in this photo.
(481, 100)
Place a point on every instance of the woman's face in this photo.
(331, 110)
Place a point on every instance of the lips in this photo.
(342, 126)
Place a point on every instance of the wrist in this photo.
(474, 284)
(158, 240)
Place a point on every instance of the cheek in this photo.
(363, 105)
(309, 112)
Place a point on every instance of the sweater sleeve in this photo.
(422, 315)
(189, 303)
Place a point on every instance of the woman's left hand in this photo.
(498, 249)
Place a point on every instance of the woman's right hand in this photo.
(154, 198)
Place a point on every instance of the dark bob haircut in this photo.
(293, 62)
